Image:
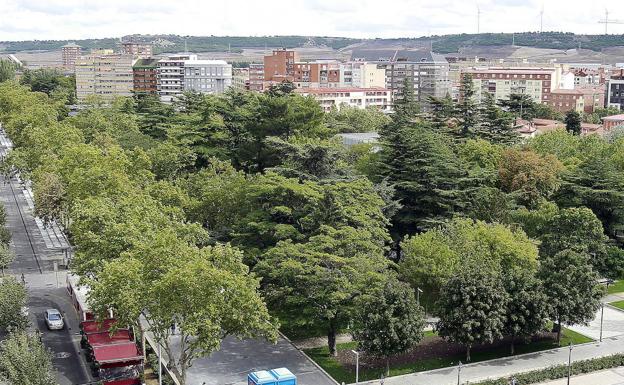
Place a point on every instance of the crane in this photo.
(608, 21)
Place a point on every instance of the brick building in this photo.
(70, 53)
(145, 76)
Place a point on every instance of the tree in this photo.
(520, 105)
(527, 309)
(13, 298)
(25, 361)
(390, 322)
(472, 308)
(496, 125)
(573, 122)
(425, 170)
(575, 229)
(529, 176)
(467, 110)
(572, 287)
(353, 119)
(7, 70)
(406, 107)
(442, 110)
(319, 281)
(6, 256)
(208, 295)
(430, 259)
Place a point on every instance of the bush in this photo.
(561, 371)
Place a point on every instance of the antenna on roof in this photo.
(478, 19)
(542, 19)
(185, 46)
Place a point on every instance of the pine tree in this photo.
(573, 122)
(496, 125)
(442, 112)
(467, 109)
(406, 107)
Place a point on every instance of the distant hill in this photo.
(441, 44)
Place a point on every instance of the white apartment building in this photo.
(207, 76)
(359, 74)
(170, 75)
(362, 98)
(104, 74)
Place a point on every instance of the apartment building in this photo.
(504, 81)
(615, 89)
(609, 122)
(138, 50)
(170, 75)
(104, 74)
(360, 74)
(207, 76)
(279, 67)
(427, 71)
(362, 98)
(145, 76)
(256, 77)
(240, 79)
(563, 100)
(70, 52)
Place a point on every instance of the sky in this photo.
(77, 19)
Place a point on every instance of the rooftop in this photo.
(205, 62)
(339, 90)
(390, 55)
(509, 71)
(71, 45)
(567, 92)
(614, 117)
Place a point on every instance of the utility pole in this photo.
(478, 19)
(570, 363)
(542, 19)
(608, 21)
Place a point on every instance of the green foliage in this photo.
(472, 308)
(432, 258)
(390, 322)
(573, 122)
(25, 361)
(353, 119)
(571, 284)
(7, 70)
(12, 299)
(497, 125)
(529, 176)
(467, 109)
(6, 256)
(319, 280)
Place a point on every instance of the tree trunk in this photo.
(387, 366)
(331, 340)
(468, 353)
(559, 333)
(513, 350)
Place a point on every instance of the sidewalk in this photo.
(605, 377)
(505, 367)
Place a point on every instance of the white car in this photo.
(54, 319)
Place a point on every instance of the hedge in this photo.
(561, 371)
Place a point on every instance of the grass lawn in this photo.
(617, 287)
(618, 304)
(340, 373)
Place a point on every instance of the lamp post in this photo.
(459, 368)
(357, 366)
(418, 291)
(570, 363)
(601, 318)
(159, 365)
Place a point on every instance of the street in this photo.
(35, 260)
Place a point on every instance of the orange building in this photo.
(280, 66)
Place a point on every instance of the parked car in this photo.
(54, 319)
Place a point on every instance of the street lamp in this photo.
(601, 318)
(418, 291)
(357, 366)
(459, 368)
(570, 363)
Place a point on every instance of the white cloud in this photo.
(74, 19)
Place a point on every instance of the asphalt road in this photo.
(36, 261)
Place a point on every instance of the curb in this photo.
(308, 358)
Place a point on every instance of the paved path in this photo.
(605, 377)
(505, 367)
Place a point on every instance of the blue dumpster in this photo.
(284, 376)
(261, 377)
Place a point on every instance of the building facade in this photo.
(615, 90)
(564, 100)
(145, 76)
(105, 75)
(207, 76)
(256, 77)
(170, 76)
(138, 50)
(502, 82)
(609, 122)
(361, 98)
(359, 74)
(240, 79)
(280, 67)
(70, 53)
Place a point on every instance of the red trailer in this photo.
(117, 361)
